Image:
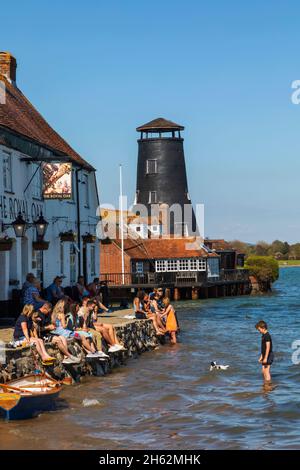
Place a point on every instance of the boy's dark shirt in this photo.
(45, 320)
(266, 337)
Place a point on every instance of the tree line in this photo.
(277, 249)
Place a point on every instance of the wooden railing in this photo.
(183, 278)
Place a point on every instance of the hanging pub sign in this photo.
(57, 180)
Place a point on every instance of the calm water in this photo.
(168, 399)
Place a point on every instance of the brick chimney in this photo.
(8, 66)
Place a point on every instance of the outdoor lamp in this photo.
(41, 226)
(19, 225)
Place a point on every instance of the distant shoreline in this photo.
(289, 265)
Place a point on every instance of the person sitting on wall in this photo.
(25, 335)
(104, 292)
(83, 310)
(138, 306)
(141, 306)
(58, 320)
(94, 287)
(44, 327)
(30, 277)
(32, 295)
(92, 344)
(171, 321)
(107, 331)
(55, 291)
(82, 290)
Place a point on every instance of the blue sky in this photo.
(98, 69)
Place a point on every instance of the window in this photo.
(139, 267)
(36, 182)
(176, 265)
(151, 167)
(62, 260)
(72, 264)
(213, 267)
(172, 265)
(193, 264)
(7, 177)
(86, 190)
(138, 229)
(183, 265)
(152, 197)
(160, 266)
(37, 263)
(201, 264)
(93, 260)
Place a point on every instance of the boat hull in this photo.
(31, 396)
(30, 406)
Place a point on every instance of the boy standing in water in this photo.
(266, 357)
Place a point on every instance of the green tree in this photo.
(294, 252)
(264, 268)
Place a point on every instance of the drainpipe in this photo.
(78, 220)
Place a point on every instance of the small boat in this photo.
(28, 396)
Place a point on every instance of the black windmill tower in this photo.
(161, 171)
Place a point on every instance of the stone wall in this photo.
(137, 336)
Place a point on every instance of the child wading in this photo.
(267, 356)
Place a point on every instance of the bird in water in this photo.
(215, 366)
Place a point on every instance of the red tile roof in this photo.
(20, 116)
(164, 248)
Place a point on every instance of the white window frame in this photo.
(93, 259)
(7, 171)
(139, 267)
(180, 265)
(62, 258)
(72, 264)
(151, 161)
(213, 267)
(150, 197)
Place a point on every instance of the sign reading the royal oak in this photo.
(11, 206)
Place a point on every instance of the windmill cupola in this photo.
(161, 171)
(160, 128)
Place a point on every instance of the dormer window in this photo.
(151, 167)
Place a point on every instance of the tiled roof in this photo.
(164, 248)
(160, 124)
(20, 116)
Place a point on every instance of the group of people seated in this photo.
(59, 318)
(159, 309)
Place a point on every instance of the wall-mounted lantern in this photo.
(20, 226)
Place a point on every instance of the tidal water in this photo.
(168, 398)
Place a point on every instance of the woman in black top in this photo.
(25, 333)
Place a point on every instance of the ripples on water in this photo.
(168, 399)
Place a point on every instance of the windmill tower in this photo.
(161, 172)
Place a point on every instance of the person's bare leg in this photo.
(62, 345)
(173, 337)
(160, 323)
(267, 375)
(87, 345)
(105, 334)
(157, 329)
(40, 347)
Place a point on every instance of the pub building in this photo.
(47, 237)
